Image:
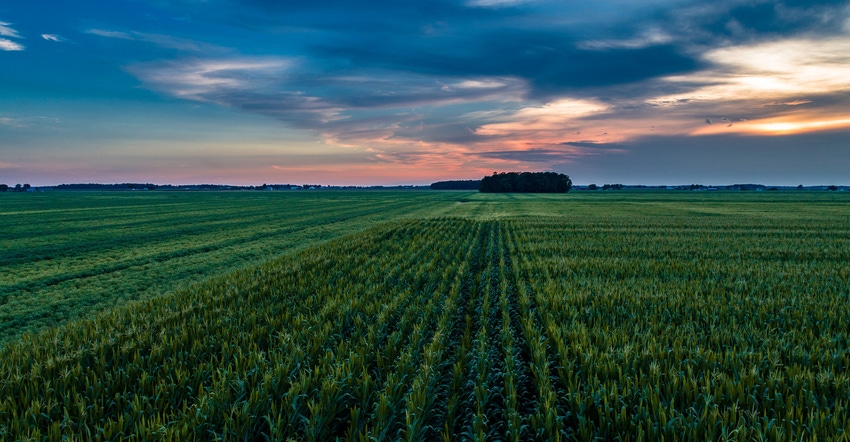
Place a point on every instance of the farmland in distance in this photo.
(68, 255)
(636, 315)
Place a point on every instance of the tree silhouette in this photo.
(526, 182)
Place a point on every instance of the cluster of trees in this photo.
(526, 182)
(605, 187)
(17, 188)
(456, 185)
(95, 186)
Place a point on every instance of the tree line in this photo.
(526, 182)
(456, 185)
(17, 188)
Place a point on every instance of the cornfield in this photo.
(484, 326)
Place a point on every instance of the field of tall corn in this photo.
(633, 317)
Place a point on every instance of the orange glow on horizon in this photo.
(775, 126)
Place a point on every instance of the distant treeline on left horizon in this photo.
(439, 185)
(150, 186)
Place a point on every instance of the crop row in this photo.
(675, 334)
(513, 329)
(56, 266)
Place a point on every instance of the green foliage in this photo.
(68, 255)
(526, 182)
(517, 317)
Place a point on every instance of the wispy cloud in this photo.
(206, 80)
(5, 43)
(9, 45)
(649, 37)
(7, 31)
(494, 3)
(361, 106)
(53, 37)
(110, 34)
(161, 40)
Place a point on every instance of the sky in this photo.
(409, 92)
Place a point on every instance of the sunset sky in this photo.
(410, 92)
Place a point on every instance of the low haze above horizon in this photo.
(385, 92)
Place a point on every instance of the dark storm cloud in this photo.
(724, 22)
(551, 63)
(526, 41)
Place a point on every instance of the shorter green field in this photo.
(632, 316)
(69, 255)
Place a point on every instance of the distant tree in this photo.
(26, 187)
(18, 188)
(593, 187)
(800, 187)
(456, 185)
(526, 182)
(612, 187)
(833, 188)
(4, 187)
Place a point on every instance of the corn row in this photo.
(528, 328)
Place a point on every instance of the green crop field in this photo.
(426, 316)
(67, 255)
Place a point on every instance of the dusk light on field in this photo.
(388, 92)
(420, 220)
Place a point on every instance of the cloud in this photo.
(7, 31)
(9, 45)
(494, 3)
(499, 81)
(593, 145)
(361, 106)
(110, 34)
(788, 84)
(789, 67)
(535, 155)
(733, 22)
(201, 80)
(548, 124)
(649, 37)
(548, 61)
(5, 43)
(254, 85)
(776, 87)
(163, 41)
(561, 153)
(53, 37)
